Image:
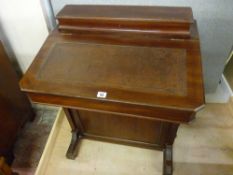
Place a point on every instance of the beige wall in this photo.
(23, 26)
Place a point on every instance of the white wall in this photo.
(23, 26)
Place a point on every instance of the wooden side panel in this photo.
(121, 127)
(15, 108)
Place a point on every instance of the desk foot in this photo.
(167, 160)
(73, 148)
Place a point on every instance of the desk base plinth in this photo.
(124, 130)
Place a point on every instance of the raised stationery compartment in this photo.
(160, 21)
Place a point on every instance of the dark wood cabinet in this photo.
(15, 108)
(123, 74)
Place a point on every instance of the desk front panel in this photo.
(120, 128)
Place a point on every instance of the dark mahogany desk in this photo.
(123, 74)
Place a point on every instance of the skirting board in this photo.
(222, 94)
(50, 144)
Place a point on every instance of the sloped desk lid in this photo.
(140, 76)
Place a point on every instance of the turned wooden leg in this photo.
(167, 160)
(73, 148)
(76, 130)
(5, 169)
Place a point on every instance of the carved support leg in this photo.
(76, 130)
(73, 148)
(167, 160)
(171, 130)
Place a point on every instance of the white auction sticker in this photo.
(101, 94)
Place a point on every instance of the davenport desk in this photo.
(125, 74)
